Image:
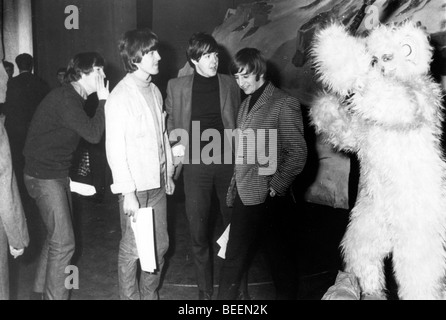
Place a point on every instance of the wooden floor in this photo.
(319, 230)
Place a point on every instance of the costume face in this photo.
(207, 65)
(90, 80)
(248, 82)
(400, 51)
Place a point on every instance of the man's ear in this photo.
(195, 62)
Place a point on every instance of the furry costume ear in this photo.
(340, 59)
(406, 44)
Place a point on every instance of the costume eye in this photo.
(387, 57)
(374, 61)
(407, 50)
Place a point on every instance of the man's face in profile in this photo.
(60, 76)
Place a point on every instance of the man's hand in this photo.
(16, 252)
(272, 192)
(101, 87)
(170, 186)
(178, 153)
(178, 150)
(131, 204)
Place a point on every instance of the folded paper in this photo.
(82, 188)
(223, 241)
(144, 238)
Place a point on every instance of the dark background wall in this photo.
(102, 23)
(175, 21)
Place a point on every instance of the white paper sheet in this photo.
(145, 242)
(82, 188)
(223, 241)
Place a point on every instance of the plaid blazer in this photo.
(279, 114)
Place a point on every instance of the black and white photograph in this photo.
(243, 152)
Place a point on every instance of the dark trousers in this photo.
(147, 287)
(53, 198)
(267, 224)
(199, 182)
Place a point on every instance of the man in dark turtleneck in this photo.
(198, 104)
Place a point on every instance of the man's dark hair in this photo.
(199, 44)
(24, 62)
(8, 64)
(9, 68)
(134, 45)
(83, 63)
(249, 60)
(60, 70)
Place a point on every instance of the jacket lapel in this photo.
(264, 97)
(186, 97)
(223, 93)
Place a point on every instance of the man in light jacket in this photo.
(13, 228)
(140, 158)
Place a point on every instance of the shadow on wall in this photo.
(167, 66)
(224, 60)
(114, 73)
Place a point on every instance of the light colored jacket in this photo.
(131, 139)
(12, 216)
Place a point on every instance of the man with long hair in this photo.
(140, 159)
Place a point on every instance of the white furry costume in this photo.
(392, 121)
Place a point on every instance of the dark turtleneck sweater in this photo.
(206, 106)
(256, 95)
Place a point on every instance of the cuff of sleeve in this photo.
(170, 170)
(280, 189)
(123, 188)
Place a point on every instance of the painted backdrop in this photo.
(283, 30)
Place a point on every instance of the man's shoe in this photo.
(202, 295)
(243, 295)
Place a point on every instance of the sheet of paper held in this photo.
(145, 242)
(223, 241)
(82, 188)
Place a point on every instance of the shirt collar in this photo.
(80, 89)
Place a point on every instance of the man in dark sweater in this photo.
(198, 104)
(58, 124)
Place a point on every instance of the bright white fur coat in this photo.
(392, 120)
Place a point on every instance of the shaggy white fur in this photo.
(391, 119)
